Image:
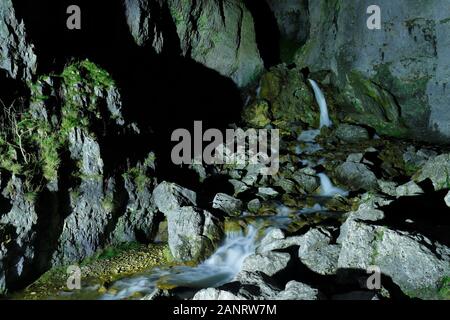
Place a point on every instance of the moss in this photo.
(257, 115)
(444, 290)
(139, 177)
(101, 270)
(32, 145)
(108, 203)
(378, 237)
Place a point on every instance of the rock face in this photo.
(17, 57)
(406, 59)
(292, 18)
(17, 234)
(218, 34)
(78, 207)
(193, 233)
(143, 19)
(416, 264)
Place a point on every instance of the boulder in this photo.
(269, 263)
(408, 189)
(298, 291)
(356, 176)
(169, 197)
(275, 239)
(437, 169)
(228, 204)
(289, 98)
(415, 263)
(193, 234)
(351, 133)
(317, 253)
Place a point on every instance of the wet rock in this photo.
(269, 263)
(415, 263)
(436, 169)
(306, 180)
(17, 56)
(317, 253)
(193, 234)
(356, 176)
(228, 204)
(351, 133)
(169, 197)
(409, 189)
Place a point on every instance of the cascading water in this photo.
(321, 101)
(328, 190)
(217, 270)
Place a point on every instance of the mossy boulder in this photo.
(285, 99)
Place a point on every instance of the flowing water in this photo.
(226, 262)
(327, 188)
(321, 101)
(218, 269)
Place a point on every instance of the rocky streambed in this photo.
(333, 217)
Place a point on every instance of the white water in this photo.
(321, 101)
(327, 188)
(217, 270)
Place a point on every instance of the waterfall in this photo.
(328, 190)
(320, 98)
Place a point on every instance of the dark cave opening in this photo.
(267, 32)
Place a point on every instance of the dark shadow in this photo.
(267, 31)
(426, 214)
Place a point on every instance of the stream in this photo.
(226, 262)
